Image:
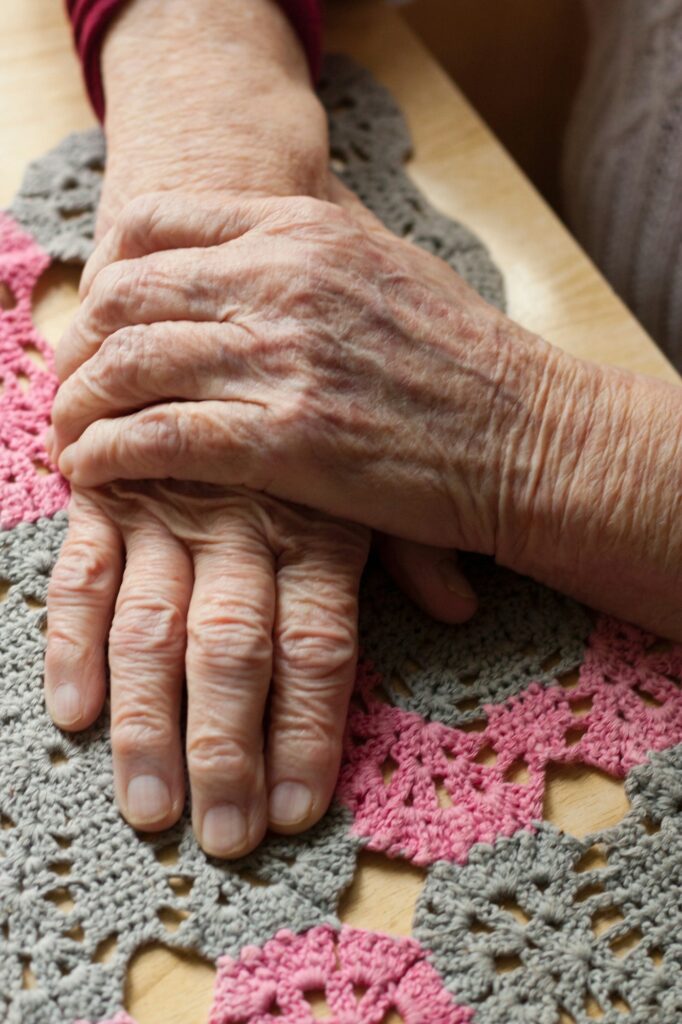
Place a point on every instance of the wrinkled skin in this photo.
(325, 362)
(221, 104)
(255, 601)
(280, 316)
(298, 348)
(227, 767)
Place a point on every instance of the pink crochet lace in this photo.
(361, 975)
(426, 791)
(29, 486)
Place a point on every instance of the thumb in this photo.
(430, 577)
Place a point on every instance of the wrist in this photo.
(592, 489)
(209, 96)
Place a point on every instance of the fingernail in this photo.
(48, 440)
(223, 831)
(66, 462)
(454, 581)
(147, 800)
(66, 704)
(290, 803)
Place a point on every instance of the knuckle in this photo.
(80, 389)
(211, 757)
(155, 626)
(63, 645)
(295, 413)
(317, 651)
(112, 290)
(80, 339)
(61, 407)
(139, 214)
(307, 208)
(309, 738)
(230, 638)
(136, 728)
(159, 434)
(82, 568)
(315, 211)
(122, 354)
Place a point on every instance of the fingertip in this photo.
(443, 604)
(292, 807)
(224, 831)
(65, 705)
(75, 686)
(73, 706)
(149, 804)
(66, 463)
(227, 830)
(454, 601)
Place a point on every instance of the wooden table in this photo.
(552, 288)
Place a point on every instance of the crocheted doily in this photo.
(451, 732)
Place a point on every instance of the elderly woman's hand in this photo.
(251, 594)
(297, 348)
(256, 604)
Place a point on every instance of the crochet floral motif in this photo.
(29, 485)
(58, 197)
(360, 975)
(351, 976)
(448, 673)
(425, 791)
(546, 927)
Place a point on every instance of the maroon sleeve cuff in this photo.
(90, 19)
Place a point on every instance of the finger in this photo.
(229, 659)
(155, 288)
(431, 577)
(213, 442)
(159, 221)
(265, 447)
(313, 673)
(144, 364)
(80, 603)
(146, 659)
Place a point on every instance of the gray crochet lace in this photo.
(544, 923)
(449, 675)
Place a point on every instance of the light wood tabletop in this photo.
(552, 289)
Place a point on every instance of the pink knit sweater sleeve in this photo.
(90, 19)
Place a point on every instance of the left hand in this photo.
(255, 604)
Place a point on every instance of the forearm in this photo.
(593, 490)
(207, 95)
